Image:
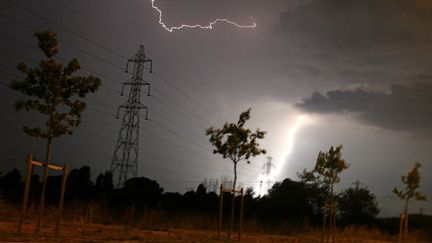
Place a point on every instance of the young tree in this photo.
(323, 178)
(53, 91)
(326, 171)
(412, 184)
(237, 143)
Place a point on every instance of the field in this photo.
(153, 228)
(83, 232)
(101, 233)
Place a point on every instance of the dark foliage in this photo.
(79, 185)
(140, 192)
(286, 202)
(10, 186)
(357, 205)
(103, 185)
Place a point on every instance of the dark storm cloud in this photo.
(403, 108)
(362, 41)
(359, 25)
(372, 44)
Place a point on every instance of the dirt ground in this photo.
(78, 232)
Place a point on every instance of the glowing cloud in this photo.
(206, 27)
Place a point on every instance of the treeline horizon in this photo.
(289, 201)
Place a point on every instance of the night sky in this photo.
(316, 73)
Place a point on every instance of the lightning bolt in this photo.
(206, 27)
(289, 147)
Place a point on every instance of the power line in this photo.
(65, 29)
(178, 104)
(101, 26)
(155, 134)
(108, 50)
(184, 94)
(110, 115)
(94, 56)
(64, 43)
(102, 155)
(62, 59)
(169, 142)
(178, 134)
(85, 149)
(176, 124)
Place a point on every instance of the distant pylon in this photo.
(125, 158)
(268, 167)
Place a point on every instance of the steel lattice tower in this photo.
(268, 167)
(125, 158)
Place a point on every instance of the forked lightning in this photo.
(206, 27)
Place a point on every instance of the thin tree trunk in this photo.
(44, 183)
(331, 195)
(233, 201)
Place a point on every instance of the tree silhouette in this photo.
(79, 185)
(141, 191)
(287, 200)
(103, 185)
(53, 91)
(326, 171)
(237, 143)
(357, 205)
(412, 184)
(10, 185)
(323, 177)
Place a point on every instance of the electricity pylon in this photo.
(268, 166)
(125, 159)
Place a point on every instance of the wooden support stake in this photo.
(324, 228)
(406, 227)
(220, 210)
(241, 214)
(61, 201)
(29, 166)
(26, 191)
(333, 222)
(52, 167)
(240, 229)
(329, 230)
(231, 225)
(42, 198)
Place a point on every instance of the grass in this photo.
(157, 226)
(85, 232)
